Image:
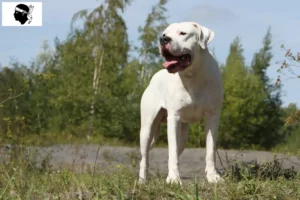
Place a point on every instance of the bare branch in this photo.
(10, 98)
(291, 63)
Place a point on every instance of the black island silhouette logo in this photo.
(23, 13)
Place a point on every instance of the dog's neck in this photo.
(197, 68)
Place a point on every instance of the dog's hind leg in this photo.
(156, 134)
(161, 118)
(211, 127)
(183, 137)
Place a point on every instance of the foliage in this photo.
(149, 35)
(274, 170)
(291, 131)
(243, 113)
(270, 107)
(289, 68)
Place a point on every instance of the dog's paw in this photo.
(214, 177)
(141, 181)
(173, 180)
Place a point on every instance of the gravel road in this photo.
(107, 158)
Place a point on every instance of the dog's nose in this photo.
(165, 40)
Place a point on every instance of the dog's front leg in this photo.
(211, 128)
(174, 127)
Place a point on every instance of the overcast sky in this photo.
(248, 19)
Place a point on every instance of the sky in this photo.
(248, 19)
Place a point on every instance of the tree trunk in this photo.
(96, 79)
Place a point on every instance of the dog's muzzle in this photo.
(164, 40)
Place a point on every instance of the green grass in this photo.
(48, 139)
(20, 179)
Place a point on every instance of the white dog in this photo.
(189, 88)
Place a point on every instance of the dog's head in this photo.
(181, 43)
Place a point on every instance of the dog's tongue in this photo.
(168, 63)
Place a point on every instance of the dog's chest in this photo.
(191, 105)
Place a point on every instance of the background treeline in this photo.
(90, 86)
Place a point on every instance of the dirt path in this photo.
(81, 157)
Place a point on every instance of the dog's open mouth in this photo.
(176, 63)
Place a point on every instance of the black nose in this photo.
(164, 40)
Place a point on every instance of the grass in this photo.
(21, 179)
(18, 183)
(48, 139)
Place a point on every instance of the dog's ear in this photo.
(205, 35)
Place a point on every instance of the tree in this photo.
(242, 95)
(261, 59)
(40, 81)
(89, 67)
(155, 24)
(11, 108)
(271, 106)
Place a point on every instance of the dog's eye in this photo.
(182, 33)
